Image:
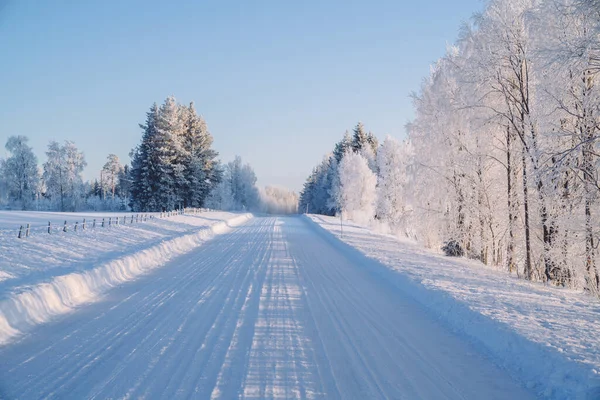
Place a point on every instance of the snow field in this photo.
(545, 337)
(42, 285)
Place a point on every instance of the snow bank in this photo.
(38, 303)
(545, 337)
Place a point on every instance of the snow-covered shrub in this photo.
(453, 249)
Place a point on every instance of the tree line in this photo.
(502, 159)
(173, 166)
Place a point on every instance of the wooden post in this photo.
(137, 216)
(65, 227)
(49, 228)
(83, 225)
(94, 223)
(76, 223)
(132, 218)
(103, 222)
(109, 221)
(27, 231)
(20, 231)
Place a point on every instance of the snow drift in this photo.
(41, 302)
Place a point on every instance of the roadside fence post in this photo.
(65, 227)
(49, 228)
(20, 231)
(27, 230)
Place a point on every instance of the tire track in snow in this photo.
(281, 363)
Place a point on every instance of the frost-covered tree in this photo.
(109, 176)
(112, 192)
(333, 191)
(3, 187)
(220, 196)
(357, 187)
(392, 164)
(237, 188)
(243, 185)
(62, 175)
(20, 172)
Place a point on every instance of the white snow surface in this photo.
(546, 337)
(275, 308)
(46, 275)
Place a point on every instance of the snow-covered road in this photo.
(276, 308)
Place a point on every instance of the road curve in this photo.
(276, 308)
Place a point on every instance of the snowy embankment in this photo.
(546, 337)
(45, 275)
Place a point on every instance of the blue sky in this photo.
(278, 82)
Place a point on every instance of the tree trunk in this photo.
(528, 270)
(512, 217)
(593, 278)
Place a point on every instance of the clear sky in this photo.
(278, 82)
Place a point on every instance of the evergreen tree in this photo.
(170, 156)
(342, 147)
(144, 167)
(360, 138)
(199, 158)
(174, 165)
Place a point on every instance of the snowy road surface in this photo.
(274, 309)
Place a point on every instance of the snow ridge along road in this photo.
(271, 309)
(61, 294)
